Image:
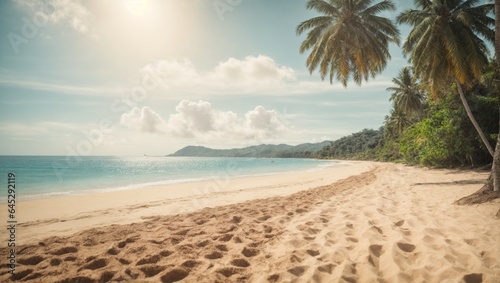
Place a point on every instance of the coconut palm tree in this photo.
(407, 95)
(447, 42)
(397, 122)
(348, 39)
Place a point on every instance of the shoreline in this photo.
(227, 174)
(67, 214)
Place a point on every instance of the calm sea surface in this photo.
(44, 176)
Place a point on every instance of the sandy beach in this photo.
(363, 222)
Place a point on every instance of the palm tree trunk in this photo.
(473, 120)
(495, 169)
(497, 27)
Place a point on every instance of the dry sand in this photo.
(380, 223)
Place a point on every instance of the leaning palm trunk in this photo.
(495, 170)
(473, 120)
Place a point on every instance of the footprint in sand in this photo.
(181, 232)
(301, 210)
(295, 258)
(65, 250)
(226, 237)
(214, 255)
(191, 263)
(273, 278)
(202, 243)
(70, 258)
(406, 247)
(122, 244)
(79, 279)
(352, 239)
(222, 248)
(156, 242)
(399, 223)
(268, 229)
(327, 268)
(323, 220)
(236, 219)
(21, 274)
(106, 276)
(132, 274)
(349, 273)
(124, 261)
(249, 252)
(174, 275)
(313, 253)
(34, 260)
(240, 262)
(96, 264)
(298, 270)
(376, 250)
(229, 271)
(149, 260)
(473, 278)
(472, 242)
(55, 262)
(151, 270)
(112, 250)
(176, 240)
(264, 218)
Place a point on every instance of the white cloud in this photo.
(200, 119)
(251, 75)
(264, 122)
(251, 70)
(144, 120)
(66, 12)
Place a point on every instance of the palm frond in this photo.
(349, 40)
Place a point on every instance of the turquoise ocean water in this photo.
(45, 176)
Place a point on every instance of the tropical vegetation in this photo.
(445, 103)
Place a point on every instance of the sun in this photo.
(138, 7)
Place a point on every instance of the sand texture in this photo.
(388, 223)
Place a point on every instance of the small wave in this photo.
(144, 185)
(46, 195)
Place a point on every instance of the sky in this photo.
(134, 77)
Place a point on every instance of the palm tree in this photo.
(446, 42)
(349, 38)
(397, 122)
(407, 95)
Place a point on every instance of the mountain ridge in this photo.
(305, 150)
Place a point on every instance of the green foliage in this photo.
(361, 145)
(447, 138)
(407, 94)
(434, 142)
(446, 41)
(447, 44)
(349, 38)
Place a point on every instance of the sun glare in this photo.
(138, 7)
(136, 31)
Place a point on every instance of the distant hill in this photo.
(306, 150)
